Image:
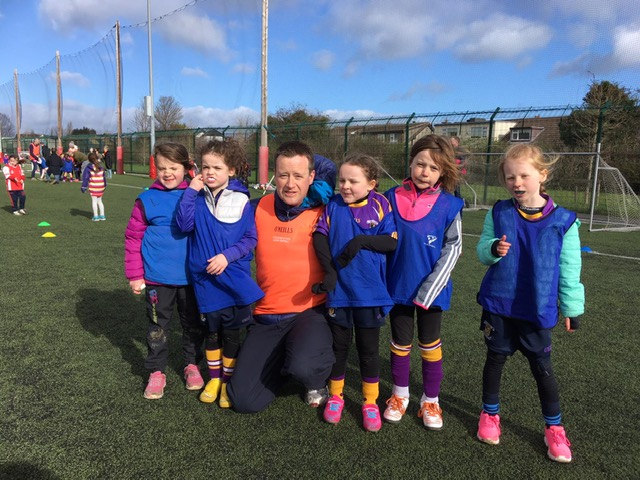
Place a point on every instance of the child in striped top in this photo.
(94, 180)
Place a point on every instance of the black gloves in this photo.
(375, 243)
(328, 283)
(323, 252)
(350, 251)
(574, 323)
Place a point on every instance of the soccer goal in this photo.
(614, 204)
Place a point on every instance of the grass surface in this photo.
(73, 344)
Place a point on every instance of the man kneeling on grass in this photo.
(291, 336)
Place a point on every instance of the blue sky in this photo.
(343, 58)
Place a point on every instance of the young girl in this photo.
(533, 249)
(156, 254)
(216, 209)
(67, 168)
(94, 180)
(356, 229)
(14, 176)
(427, 215)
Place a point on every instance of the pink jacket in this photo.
(133, 235)
(413, 205)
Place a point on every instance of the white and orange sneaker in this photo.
(431, 414)
(396, 408)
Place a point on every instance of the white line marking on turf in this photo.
(588, 253)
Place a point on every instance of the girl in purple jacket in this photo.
(156, 258)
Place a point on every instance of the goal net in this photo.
(615, 206)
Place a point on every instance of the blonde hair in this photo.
(536, 157)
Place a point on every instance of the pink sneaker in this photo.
(155, 386)
(371, 420)
(556, 439)
(489, 428)
(192, 377)
(333, 410)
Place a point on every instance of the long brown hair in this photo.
(443, 155)
(174, 152)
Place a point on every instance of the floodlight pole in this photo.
(152, 129)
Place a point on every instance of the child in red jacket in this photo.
(14, 176)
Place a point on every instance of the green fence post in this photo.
(488, 161)
(406, 143)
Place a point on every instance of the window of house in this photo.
(393, 138)
(520, 134)
(479, 131)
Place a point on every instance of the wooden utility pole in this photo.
(16, 91)
(263, 153)
(119, 155)
(59, 94)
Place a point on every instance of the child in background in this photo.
(156, 254)
(14, 177)
(94, 180)
(356, 229)
(427, 216)
(215, 209)
(44, 169)
(533, 249)
(67, 168)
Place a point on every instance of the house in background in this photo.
(526, 130)
(392, 132)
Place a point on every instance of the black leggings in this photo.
(402, 324)
(367, 343)
(230, 342)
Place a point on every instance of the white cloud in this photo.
(501, 37)
(339, 115)
(391, 30)
(201, 116)
(581, 35)
(624, 54)
(126, 39)
(245, 68)
(194, 72)
(41, 118)
(626, 46)
(74, 78)
(323, 60)
(202, 33)
(420, 90)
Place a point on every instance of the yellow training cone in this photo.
(48, 235)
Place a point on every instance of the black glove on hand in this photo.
(327, 284)
(574, 323)
(350, 251)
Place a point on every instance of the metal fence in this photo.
(484, 135)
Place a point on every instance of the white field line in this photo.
(111, 184)
(588, 253)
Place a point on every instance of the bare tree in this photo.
(6, 126)
(141, 122)
(168, 113)
(69, 129)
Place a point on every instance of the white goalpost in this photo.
(614, 204)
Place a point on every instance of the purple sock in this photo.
(400, 369)
(431, 377)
